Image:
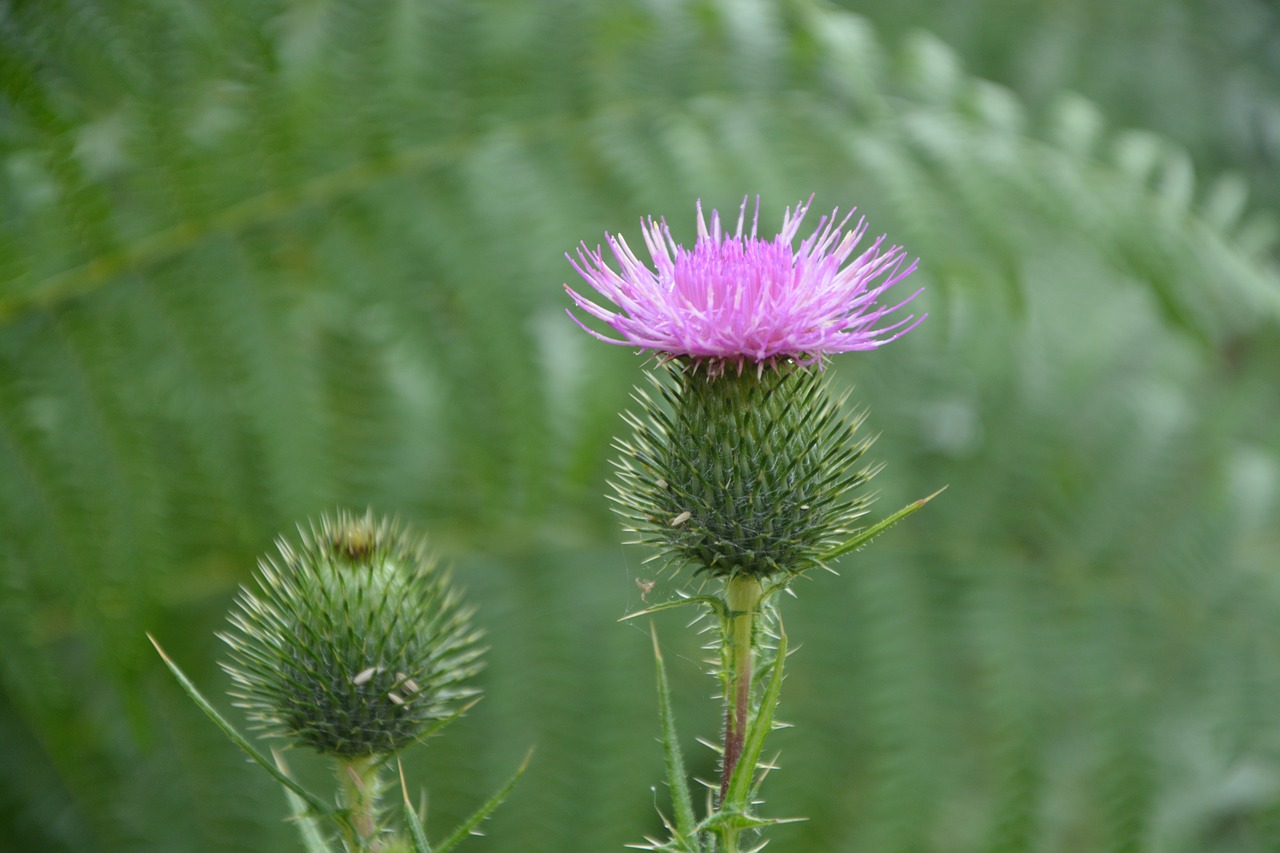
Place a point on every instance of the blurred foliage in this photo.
(258, 259)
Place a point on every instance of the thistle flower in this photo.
(751, 476)
(736, 298)
(354, 641)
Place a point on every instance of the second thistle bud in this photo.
(741, 473)
(354, 641)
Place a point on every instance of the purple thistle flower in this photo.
(740, 298)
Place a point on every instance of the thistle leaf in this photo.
(709, 600)
(416, 830)
(305, 818)
(677, 777)
(316, 804)
(465, 828)
(876, 529)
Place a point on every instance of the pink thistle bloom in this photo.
(737, 297)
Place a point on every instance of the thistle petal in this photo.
(736, 297)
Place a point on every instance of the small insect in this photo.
(645, 586)
(680, 519)
(355, 540)
(363, 676)
(396, 700)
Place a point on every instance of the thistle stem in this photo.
(361, 787)
(743, 593)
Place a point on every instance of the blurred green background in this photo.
(259, 259)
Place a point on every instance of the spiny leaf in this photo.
(710, 601)
(880, 527)
(677, 778)
(416, 830)
(305, 818)
(465, 828)
(316, 804)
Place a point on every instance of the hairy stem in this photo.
(744, 593)
(361, 787)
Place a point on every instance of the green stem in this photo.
(744, 593)
(360, 789)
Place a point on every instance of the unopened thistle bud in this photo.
(354, 642)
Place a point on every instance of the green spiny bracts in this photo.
(354, 642)
(741, 473)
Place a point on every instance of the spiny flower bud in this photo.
(741, 473)
(354, 641)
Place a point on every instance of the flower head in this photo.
(741, 298)
(354, 642)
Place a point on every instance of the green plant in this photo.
(260, 259)
(355, 645)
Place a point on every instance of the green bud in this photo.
(353, 642)
(749, 473)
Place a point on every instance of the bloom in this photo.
(738, 297)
